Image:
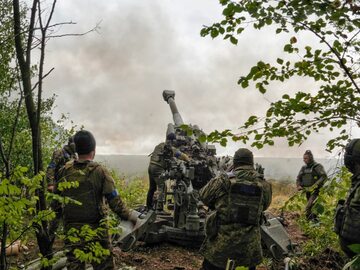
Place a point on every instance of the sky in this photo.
(111, 80)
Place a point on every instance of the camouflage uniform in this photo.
(311, 175)
(59, 158)
(233, 231)
(95, 185)
(156, 168)
(350, 232)
(349, 229)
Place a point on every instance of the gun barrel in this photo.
(169, 97)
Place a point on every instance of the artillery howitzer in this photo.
(188, 139)
(186, 226)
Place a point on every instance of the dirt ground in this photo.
(167, 256)
(161, 257)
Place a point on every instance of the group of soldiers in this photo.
(235, 199)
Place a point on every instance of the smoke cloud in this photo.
(111, 81)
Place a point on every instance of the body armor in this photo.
(244, 203)
(308, 178)
(157, 155)
(90, 209)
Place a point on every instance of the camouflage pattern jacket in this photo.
(59, 158)
(95, 185)
(163, 151)
(350, 231)
(237, 241)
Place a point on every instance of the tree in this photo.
(333, 62)
(34, 102)
(31, 29)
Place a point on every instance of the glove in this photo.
(184, 157)
(133, 216)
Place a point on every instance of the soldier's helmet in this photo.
(243, 156)
(84, 142)
(352, 154)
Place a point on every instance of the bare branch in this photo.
(43, 77)
(18, 110)
(95, 29)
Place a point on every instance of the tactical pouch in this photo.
(339, 216)
(211, 226)
(245, 203)
(308, 177)
(307, 180)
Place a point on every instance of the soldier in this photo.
(156, 168)
(312, 177)
(233, 227)
(59, 158)
(95, 185)
(349, 223)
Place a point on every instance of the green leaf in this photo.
(223, 142)
(355, 248)
(214, 33)
(288, 48)
(202, 138)
(233, 40)
(239, 30)
(319, 208)
(244, 83)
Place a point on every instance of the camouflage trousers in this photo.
(74, 264)
(156, 187)
(311, 197)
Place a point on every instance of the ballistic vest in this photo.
(88, 206)
(243, 203)
(157, 155)
(308, 176)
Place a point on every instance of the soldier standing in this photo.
(59, 158)
(312, 177)
(156, 167)
(349, 223)
(95, 185)
(233, 227)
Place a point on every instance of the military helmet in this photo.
(84, 142)
(243, 156)
(352, 154)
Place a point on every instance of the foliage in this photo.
(321, 233)
(87, 240)
(332, 63)
(133, 191)
(18, 202)
(355, 262)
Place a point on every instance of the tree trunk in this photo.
(24, 59)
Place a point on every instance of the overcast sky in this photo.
(111, 81)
